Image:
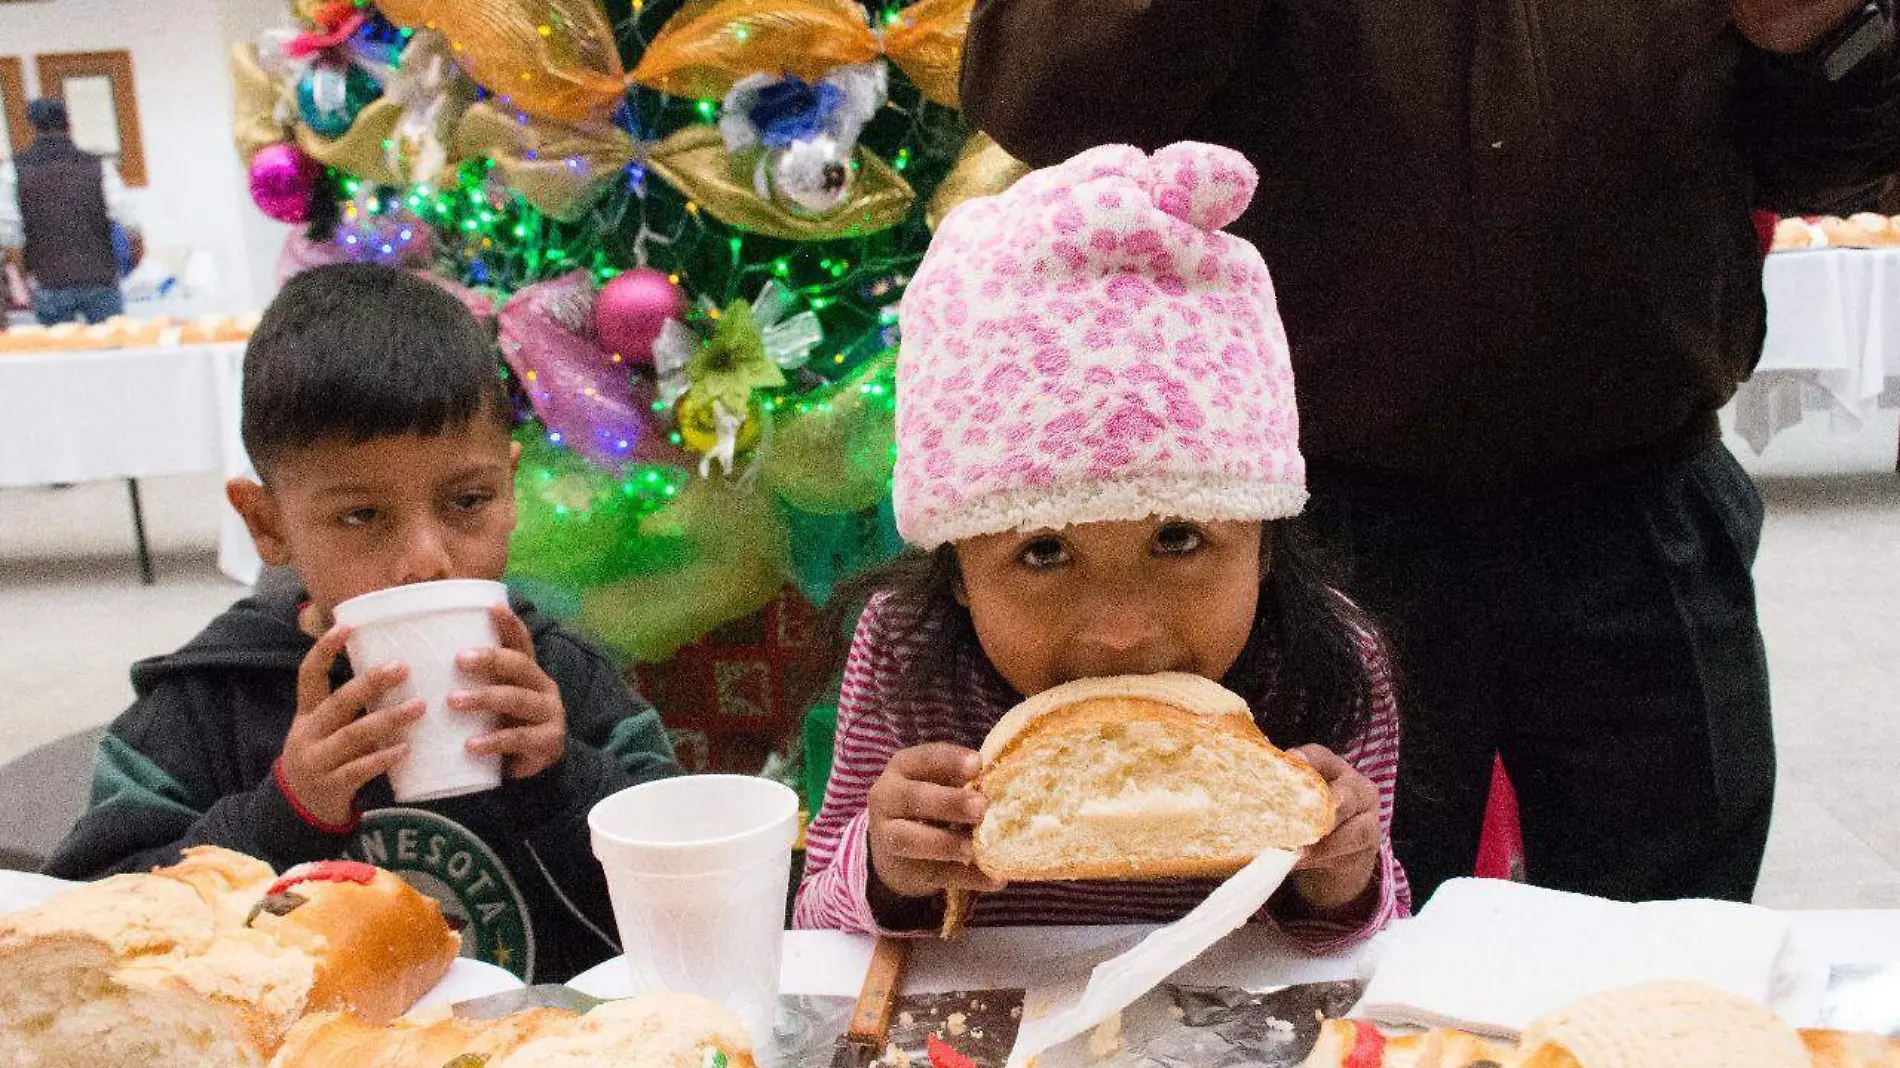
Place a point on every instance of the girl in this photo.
(1098, 464)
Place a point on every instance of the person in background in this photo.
(1513, 247)
(58, 206)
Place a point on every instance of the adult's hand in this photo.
(1790, 26)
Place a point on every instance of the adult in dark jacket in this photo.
(58, 205)
(1512, 244)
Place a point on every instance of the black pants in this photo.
(1603, 639)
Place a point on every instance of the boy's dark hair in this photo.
(357, 351)
(1314, 691)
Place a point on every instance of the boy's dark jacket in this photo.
(190, 764)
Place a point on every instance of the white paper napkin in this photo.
(22, 889)
(1491, 956)
(1117, 982)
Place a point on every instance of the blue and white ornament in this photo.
(805, 133)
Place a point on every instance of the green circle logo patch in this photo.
(445, 860)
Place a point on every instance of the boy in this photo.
(380, 429)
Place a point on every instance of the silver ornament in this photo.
(812, 179)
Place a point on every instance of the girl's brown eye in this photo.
(1178, 539)
(1043, 553)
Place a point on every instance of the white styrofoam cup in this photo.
(425, 626)
(698, 868)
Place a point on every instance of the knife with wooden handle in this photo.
(870, 1026)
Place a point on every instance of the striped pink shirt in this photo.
(837, 859)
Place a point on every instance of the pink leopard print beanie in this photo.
(1089, 346)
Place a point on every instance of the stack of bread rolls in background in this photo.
(1866, 230)
(124, 332)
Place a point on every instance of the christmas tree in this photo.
(691, 221)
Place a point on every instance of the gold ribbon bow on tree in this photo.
(401, 138)
(559, 167)
(553, 59)
(708, 45)
(819, 187)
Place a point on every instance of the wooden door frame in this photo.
(116, 66)
(13, 88)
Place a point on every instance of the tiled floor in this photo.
(73, 616)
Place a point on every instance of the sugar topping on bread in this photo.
(1665, 1024)
(649, 1031)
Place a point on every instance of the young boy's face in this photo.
(354, 518)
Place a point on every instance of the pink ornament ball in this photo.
(282, 180)
(631, 309)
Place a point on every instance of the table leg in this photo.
(138, 531)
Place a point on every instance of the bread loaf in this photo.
(1656, 1025)
(1139, 777)
(1667, 1024)
(653, 1031)
(1358, 1044)
(209, 962)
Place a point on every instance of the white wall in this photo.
(196, 195)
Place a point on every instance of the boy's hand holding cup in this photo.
(518, 694)
(334, 749)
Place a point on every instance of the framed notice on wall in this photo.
(15, 133)
(97, 89)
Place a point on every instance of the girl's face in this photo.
(1120, 598)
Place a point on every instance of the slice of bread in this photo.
(1139, 777)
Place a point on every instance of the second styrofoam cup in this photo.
(697, 868)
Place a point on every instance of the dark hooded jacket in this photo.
(190, 763)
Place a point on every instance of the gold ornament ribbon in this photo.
(361, 150)
(710, 44)
(560, 168)
(695, 162)
(554, 59)
(256, 119)
(982, 169)
(927, 42)
(434, 95)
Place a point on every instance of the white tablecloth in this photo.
(129, 413)
(1256, 957)
(1833, 323)
(1038, 959)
